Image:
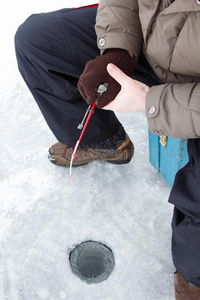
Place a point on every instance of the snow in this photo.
(43, 215)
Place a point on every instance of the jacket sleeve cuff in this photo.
(152, 108)
(121, 41)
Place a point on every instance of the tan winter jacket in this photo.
(168, 33)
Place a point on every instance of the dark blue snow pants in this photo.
(185, 195)
(52, 49)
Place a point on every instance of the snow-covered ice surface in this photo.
(43, 215)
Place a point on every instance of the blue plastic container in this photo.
(167, 160)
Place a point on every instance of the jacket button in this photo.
(151, 110)
(102, 42)
(198, 1)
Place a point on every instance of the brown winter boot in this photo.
(60, 154)
(185, 290)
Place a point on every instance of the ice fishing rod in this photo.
(89, 111)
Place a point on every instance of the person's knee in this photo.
(27, 33)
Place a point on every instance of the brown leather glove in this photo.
(95, 73)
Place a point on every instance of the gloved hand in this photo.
(95, 73)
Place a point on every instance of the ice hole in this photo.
(92, 261)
